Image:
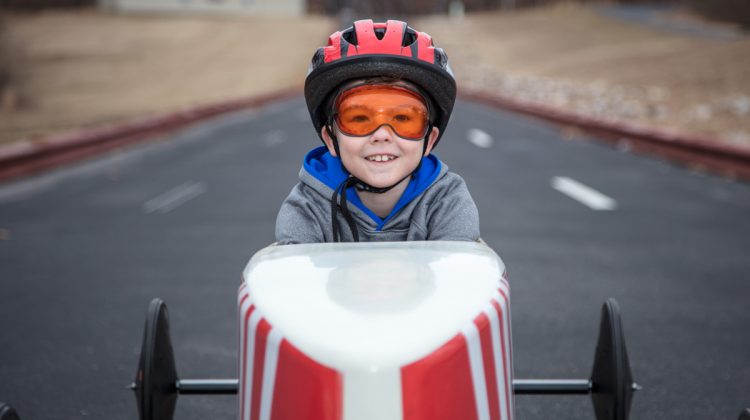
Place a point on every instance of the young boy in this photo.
(380, 96)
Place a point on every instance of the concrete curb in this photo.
(697, 152)
(31, 156)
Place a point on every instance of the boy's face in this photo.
(359, 155)
(381, 133)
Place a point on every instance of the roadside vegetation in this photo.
(69, 68)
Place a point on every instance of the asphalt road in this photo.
(83, 250)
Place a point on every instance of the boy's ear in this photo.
(328, 141)
(431, 140)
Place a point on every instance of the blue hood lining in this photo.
(328, 169)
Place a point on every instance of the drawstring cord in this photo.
(341, 206)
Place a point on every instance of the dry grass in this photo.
(593, 64)
(85, 67)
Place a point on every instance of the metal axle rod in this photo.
(208, 386)
(520, 386)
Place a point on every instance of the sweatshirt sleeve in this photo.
(453, 216)
(296, 222)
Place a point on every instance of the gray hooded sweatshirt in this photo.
(435, 206)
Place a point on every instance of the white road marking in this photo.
(273, 138)
(583, 194)
(177, 196)
(479, 138)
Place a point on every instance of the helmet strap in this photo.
(334, 140)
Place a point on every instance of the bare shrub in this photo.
(735, 11)
(10, 67)
(43, 4)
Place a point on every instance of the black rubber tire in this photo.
(7, 412)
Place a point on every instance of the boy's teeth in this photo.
(380, 158)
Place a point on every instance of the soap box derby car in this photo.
(407, 330)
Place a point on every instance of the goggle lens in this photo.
(360, 111)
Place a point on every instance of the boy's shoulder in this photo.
(445, 183)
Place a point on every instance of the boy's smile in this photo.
(382, 158)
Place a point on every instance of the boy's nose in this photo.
(383, 133)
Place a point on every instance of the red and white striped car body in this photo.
(407, 330)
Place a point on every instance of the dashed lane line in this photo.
(583, 193)
(273, 138)
(177, 196)
(479, 138)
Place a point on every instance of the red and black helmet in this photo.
(376, 50)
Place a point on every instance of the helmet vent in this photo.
(380, 33)
(350, 36)
(409, 38)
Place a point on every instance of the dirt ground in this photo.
(83, 68)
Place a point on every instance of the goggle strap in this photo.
(331, 134)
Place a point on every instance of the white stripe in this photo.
(583, 194)
(471, 334)
(505, 287)
(505, 309)
(491, 313)
(241, 322)
(479, 138)
(269, 373)
(175, 197)
(254, 320)
(243, 344)
(361, 403)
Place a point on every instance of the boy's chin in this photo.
(380, 182)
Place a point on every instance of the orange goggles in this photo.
(360, 111)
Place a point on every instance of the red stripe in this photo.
(304, 389)
(510, 338)
(244, 361)
(439, 386)
(485, 338)
(261, 334)
(506, 378)
(510, 327)
(425, 50)
(333, 51)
